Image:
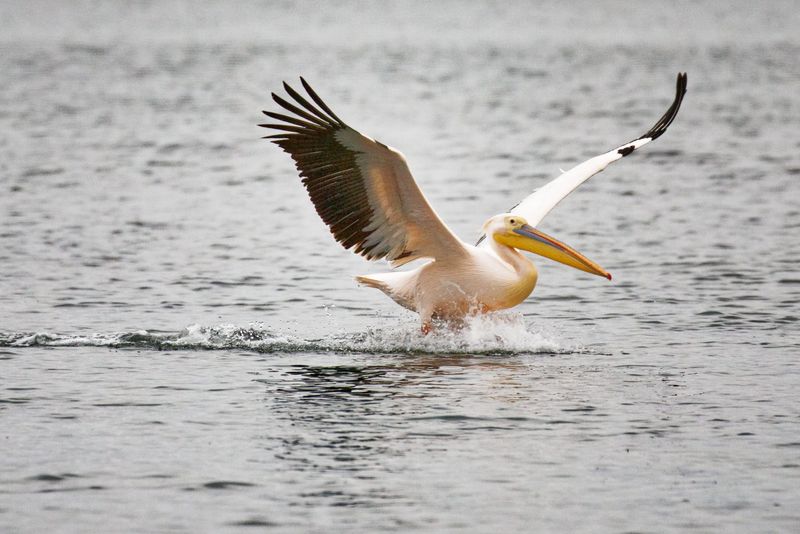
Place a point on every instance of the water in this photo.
(183, 348)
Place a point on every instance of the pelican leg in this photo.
(426, 315)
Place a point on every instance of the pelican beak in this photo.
(529, 238)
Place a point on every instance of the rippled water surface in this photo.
(183, 347)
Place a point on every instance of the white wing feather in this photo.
(539, 203)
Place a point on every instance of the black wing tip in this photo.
(663, 123)
(321, 113)
(680, 86)
(315, 97)
(666, 119)
(303, 113)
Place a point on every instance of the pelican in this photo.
(364, 191)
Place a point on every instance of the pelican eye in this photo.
(513, 221)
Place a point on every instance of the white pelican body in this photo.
(481, 281)
(365, 193)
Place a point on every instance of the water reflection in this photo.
(355, 423)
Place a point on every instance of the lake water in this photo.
(183, 347)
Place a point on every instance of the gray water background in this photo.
(183, 348)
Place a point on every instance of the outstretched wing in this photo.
(361, 188)
(538, 204)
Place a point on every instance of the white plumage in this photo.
(365, 193)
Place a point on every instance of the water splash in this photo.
(497, 334)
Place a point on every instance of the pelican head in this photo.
(514, 231)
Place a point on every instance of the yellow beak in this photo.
(529, 238)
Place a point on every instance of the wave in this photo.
(480, 335)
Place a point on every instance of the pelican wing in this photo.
(539, 203)
(361, 188)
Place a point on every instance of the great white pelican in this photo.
(365, 193)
